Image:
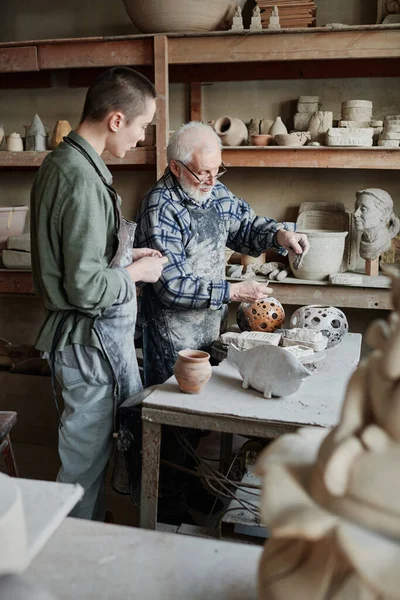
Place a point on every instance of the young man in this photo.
(85, 269)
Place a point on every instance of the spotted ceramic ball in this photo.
(329, 320)
(265, 316)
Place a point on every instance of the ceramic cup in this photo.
(192, 370)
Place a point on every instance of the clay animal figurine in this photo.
(269, 370)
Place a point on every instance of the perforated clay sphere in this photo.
(329, 320)
(266, 315)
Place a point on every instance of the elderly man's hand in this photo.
(249, 291)
(297, 243)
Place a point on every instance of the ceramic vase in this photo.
(192, 370)
(278, 126)
(61, 129)
(324, 257)
(162, 16)
(14, 143)
(232, 131)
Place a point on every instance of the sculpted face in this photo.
(367, 215)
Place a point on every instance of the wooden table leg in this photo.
(150, 474)
(6, 451)
(225, 453)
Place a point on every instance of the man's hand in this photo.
(147, 269)
(297, 243)
(138, 253)
(249, 291)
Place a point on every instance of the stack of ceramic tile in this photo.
(292, 14)
(357, 117)
(18, 252)
(390, 136)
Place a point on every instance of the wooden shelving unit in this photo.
(139, 157)
(364, 51)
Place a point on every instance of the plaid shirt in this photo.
(164, 224)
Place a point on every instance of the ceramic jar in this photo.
(192, 370)
(232, 131)
(278, 126)
(61, 129)
(329, 320)
(14, 143)
(324, 257)
(162, 16)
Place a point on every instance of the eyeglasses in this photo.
(221, 171)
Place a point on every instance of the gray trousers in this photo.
(85, 434)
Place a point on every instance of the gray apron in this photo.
(115, 326)
(166, 331)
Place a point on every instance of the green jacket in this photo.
(74, 238)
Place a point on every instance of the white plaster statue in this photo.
(256, 11)
(237, 21)
(331, 499)
(256, 24)
(275, 12)
(238, 12)
(375, 218)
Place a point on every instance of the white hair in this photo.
(189, 138)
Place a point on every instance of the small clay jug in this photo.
(232, 131)
(14, 143)
(61, 129)
(192, 370)
(278, 127)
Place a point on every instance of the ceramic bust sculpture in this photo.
(374, 217)
(331, 499)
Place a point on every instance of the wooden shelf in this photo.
(139, 157)
(16, 282)
(312, 158)
(374, 293)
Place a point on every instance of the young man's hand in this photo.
(138, 253)
(249, 291)
(147, 269)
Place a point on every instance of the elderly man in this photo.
(190, 217)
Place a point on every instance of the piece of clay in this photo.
(345, 279)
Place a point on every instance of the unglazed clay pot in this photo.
(324, 257)
(15, 143)
(161, 16)
(266, 315)
(278, 126)
(262, 139)
(232, 131)
(192, 370)
(297, 138)
(61, 129)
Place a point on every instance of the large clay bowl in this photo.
(162, 16)
(324, 257)
(297, 138)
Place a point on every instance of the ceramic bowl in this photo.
(297, 138)
(262, 139)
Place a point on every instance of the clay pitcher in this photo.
(192, 370)
(232, 131)
(61, 129)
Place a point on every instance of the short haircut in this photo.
(119, 88)
(189, 138)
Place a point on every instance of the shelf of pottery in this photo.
(355, 141)
(29, 151)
